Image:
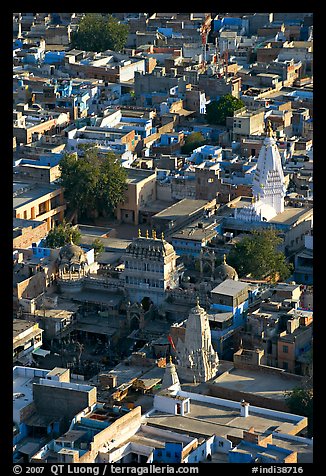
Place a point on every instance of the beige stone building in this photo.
(25, 125)
(26, 232)
(141, 190)
(41, 203)
(246, 123)
(27, 336)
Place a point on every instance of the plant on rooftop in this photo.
(99, 32)
(61, 235)
(257, 255)
(192, 141)
(98, 246)
(218, 111)
(94, 184)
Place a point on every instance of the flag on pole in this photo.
(172, 343)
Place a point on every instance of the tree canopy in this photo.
(192, 141)
(258, 256)
(61, 235)
(94, 184)
(300, 402)
(99, 32)
(218, 111)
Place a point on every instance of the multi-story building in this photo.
(214, 87)
(29, 123)
(41, 203)
(294, 344)
(27, 337)
(44, 403)
(227, 315)
(108, 66)
(246, 123)
(141, 190)
(180, 214)
(303, 262)
(150, 268)
(191, 239)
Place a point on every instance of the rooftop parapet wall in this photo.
(298, 423)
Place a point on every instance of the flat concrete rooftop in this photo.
(30, 192)
(304, 450)
(125, 373)
(137, 175)
(257, 383)
(20, 325)
(153, 440)
(19, 223)
(156, 206)
(182, 208)
(207, 418)
(23, 379)
(229, 287)
(219, 316)
(194, 233)
(291, 215)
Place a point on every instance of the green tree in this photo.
(257, 254)
(94, 184)
(300, 402)
(99, 32)
(61, 235)
(98, 246)
(192, 141)
(218, 111)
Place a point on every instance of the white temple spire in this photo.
(268, 183)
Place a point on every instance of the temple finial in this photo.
(224, 258)
(170, 360)
(162, 235)
(139, 233)
(197, 301)
(147, 235)
(269, 129)
(154, 234)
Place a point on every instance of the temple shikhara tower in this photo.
(197, 359)
(268, 184)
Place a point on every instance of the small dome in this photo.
(71, 252)
(225, 271)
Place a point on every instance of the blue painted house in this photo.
(248, 452)
(230, 301)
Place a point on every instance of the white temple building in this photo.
(197, 359)
(170, 379)
(268, 184)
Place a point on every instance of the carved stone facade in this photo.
(135, 316)
(197, 359)
(150, 269)
(72, 261)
